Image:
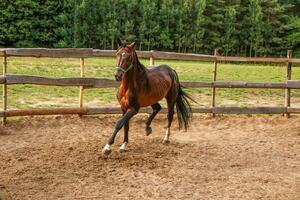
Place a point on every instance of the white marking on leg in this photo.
(106, 151)
(123, 147)
(106, 147)
(166, 139)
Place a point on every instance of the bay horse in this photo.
(141, 87)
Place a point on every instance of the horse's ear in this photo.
(132, 45)
(119, 42)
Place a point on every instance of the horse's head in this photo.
(124, 59)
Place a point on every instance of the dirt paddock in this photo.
(224, 158)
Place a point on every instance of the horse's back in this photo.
(162, 67)
(159, 74)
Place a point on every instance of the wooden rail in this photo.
(85, 82)
(87, 53)
(117, 110)
(38, 80)
(195, 57)
(50, 53)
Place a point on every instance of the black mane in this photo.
(143, 70)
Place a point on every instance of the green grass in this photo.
(32, 96)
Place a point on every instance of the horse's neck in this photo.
(134, 77)
(128, 81)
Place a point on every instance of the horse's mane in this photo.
(143, 70)
(140, 66)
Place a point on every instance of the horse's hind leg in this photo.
(171, 104)
(156, 108)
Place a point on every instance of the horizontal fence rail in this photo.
(117, 110)
(88, 52)
(38, 80)
(49, 53)
(109, 83)
(86, 82)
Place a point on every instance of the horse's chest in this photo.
(124, 97)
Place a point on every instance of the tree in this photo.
(229, 39)
(274, 20)
(66, 31)
(240, 27)
(213, 24)
(149, 28)
(167, 23)
(294, 33)
(253, 25)
(198, 35)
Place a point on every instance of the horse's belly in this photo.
(159, 88)
(149, 100)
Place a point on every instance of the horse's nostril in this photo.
(118, 77)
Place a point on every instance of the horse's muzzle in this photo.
(118, 75)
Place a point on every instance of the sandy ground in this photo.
(223, 158)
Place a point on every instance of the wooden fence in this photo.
(85, 82)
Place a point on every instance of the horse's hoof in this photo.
(123, 148)
(106, 151)
(148, 130)
(166, 141)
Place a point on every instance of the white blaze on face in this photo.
(123, 53)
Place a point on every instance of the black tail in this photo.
(183, 108)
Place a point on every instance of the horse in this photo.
(142, 87)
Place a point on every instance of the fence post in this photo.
(151, 59)
(288, 77)
(4, 97)
(81, 87)
(213, 100)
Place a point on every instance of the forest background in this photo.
(239, 27)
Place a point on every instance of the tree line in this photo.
(238, 27)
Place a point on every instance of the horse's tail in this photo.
(183, 106)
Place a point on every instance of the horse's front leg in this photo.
(125, 119)
(125, 142)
